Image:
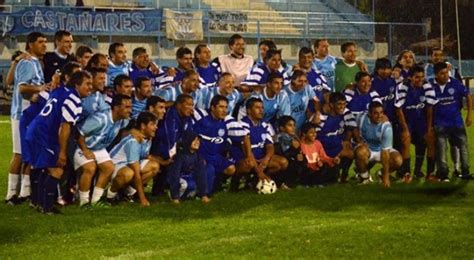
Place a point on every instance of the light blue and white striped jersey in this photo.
(208, 93)
(94, 103)
(274, 107)
(138, 106)
(115, 70)
(27, 72)
(377, 136)
(259, 73)
(130, 151)
(100, 130)
(327, 67)
(171, 93)
(299, 102)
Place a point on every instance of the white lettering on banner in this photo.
(84, 22)
(226, 21)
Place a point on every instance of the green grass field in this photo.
(419, 220)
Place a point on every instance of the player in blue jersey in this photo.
(118, 63)
(48, 134)
(385, 85)
(414, 108)
(335, 127)
(177, 119)
(323, 62)
(142, 66)
(95, 102)
(315, 79)
(377, 137)
(257, 153)
(260, 73)
(406, 59)
(96, 133)
(142, 92)
(133, 165)
(447, 120)
(275, 101)
(208, 72)
(225, 87)
(28, 81)
(189, 85)
(174, 76)
(300, 95)
(359, 98)
(218, 131)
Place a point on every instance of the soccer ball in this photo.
(266, 187)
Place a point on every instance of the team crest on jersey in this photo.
(451, 91)
(391, 89)
(341, 124)
(264, 136)
(422, 98)
(318, 81)
(221, 132)
(275, 106)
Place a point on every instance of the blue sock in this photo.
(50, 190)
(40, 190)
(34, 176)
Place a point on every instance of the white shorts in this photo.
(101, 156)
(16, 136)
(376, 156)
(143, 163)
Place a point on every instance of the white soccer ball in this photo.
(266, 187)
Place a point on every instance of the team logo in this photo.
(391, 89)
(264, 136)
(221, 132)
(341, 124)
(305, 99)
(451, 91)
(318, 81)
(422, 99)
(275, 106)
(6, 24)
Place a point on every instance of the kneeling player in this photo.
(131, 159)
(377, 147)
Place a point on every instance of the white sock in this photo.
(13, 180)
(364, 175)
(97, 194)
(130, 191)
(25, 189)
(111, 194)
(83, 197)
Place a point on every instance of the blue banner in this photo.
(81, 21)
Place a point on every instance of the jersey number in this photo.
(48, 107)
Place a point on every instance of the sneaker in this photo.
(101, 204)
(407, 178)
(14, 200)
(419, 175)
(364, 181)
(466, 176)
(23, 199)
(113, 201)
(444, 179)
(457, 173)
(432, 178)
(283, 186)
(61, 202)
(52, 211)
(85, 206)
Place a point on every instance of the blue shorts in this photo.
(187, 187)
(237, 155)
(25, 149)
(41, 157)
(219, 162)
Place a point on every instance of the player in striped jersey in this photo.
(315, 79)
(406, 59)
(28, 81)
(300, 95)
(189, 85)
(142, 66)
(118, 63)
(260, 73)
(131, 157)
(447, 120)
(96, 133)
(224, 88)
(142, 92)
(414, 107)
(385, 85)
(275, 101)
(217, 131)
(334, 130)
(359, 98)
(48, 134)
(174, 76)
(208, 72)
(95, 102)
(257, 153)
(324, 62)
(377, 137)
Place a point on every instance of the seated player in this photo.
(318, 161)
(187, 174)
(97, 133)
(48, 134)
(287, 144)
(257, 153)
(447, 120)
(414, 108)
(133, 165)
(376, 134)
(216, 130)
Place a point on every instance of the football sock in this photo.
(83, 197)
(25, 190)
(13, 180)
(50, 192)
(97, 194)
(430, 165)
(130, 191)
(111, 194)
